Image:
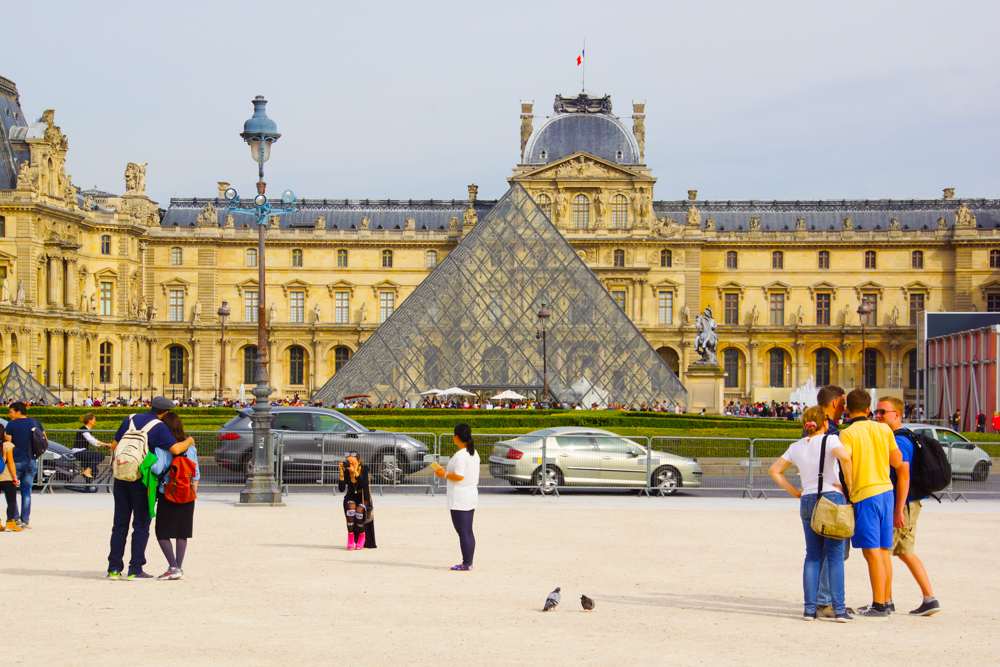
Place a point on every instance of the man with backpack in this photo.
(888, 412)
(27, 450)
(135, 441)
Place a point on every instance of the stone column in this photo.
(70, 358)
(685, 360)
(752, 375)
(53, 280)
(52, 363)
(799, 374)
(845, 366)
(636, 302)
(315, 365)
(195, 364)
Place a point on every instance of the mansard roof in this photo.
(11, 117)
(582, 124)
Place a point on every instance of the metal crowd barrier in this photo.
(723, 464)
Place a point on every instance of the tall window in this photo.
(666, 258)
(666, 307)
(251, 256)
(176, 254)
(249, 363)
(106, 291)
(917, 259)
(545, 203)
(731, 362)
(732, 260)
(3, 226)
(106, 246)
(342, 307)
(777, 305)
(386, 304)
(870, 259)
(176, 305)
(340, 357)
(619, 296)
(871, 368)
(822, 367)
(432, 259)
(872, 300)
(297, 257)
(731, 307)
(777, 367)
(777, 260)
(993, 303)
(493, 309)
(916, 305)
(581, 211)
(619, 258)
(341, 259)
(619, 212)
(823, 312)
(824, 259)
(298, 307)
(386, 259)
(995, 259)
(911, 358)
(296, 365)
(105, 362)
(251, 300)
(176, 364)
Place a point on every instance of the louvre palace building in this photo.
(110, 294)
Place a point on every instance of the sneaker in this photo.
(927, 609)
(890, 607)
(462, 568)
(809, 617)
(844, 618)
(141, 575)
(871, 612)
(171, 574)
(824, 612)
(115, 576)
(22, 525)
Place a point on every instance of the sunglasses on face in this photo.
(881, 413)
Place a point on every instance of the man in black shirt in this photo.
(19, 428)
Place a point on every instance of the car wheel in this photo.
(980, 472)
(553, 477)
(667, 480)
(386, 472)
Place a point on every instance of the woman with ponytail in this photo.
(88, 457)
(463, 492)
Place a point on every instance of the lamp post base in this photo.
(261, 491)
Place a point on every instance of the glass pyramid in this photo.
(16, 384)
(471, 323)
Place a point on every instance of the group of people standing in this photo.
(867, 465)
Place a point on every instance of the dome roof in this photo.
(599, 134)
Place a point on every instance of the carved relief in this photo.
(693, 218)
(230, 222)
(754, 224)
(942, 223)
(848, 224)
(469, 218)
(209, 216)
(667, 227)
(580, 167)
(319, 224)
(135, 178)
(963, 217)
(409, 224)
(800, 224)
(365, 222)
(709, 225)
(453, 223)
(894, 223)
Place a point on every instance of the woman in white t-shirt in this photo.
(463, 492)
(805, 455)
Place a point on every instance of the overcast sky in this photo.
(744, 100)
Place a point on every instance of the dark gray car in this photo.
(315, 440)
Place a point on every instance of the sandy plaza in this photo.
(688, 580)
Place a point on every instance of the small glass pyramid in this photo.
(472, 322)
(16, 384)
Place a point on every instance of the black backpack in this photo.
(39, 443)
(930, 471)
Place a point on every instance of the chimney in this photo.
(223, 186)
(949, 193)
(526, 117)
(692, 195)
(473, 191)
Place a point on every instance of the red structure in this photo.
(962, 373)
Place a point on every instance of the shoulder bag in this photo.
(829, 519)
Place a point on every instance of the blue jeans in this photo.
(821, 550)
(26, 471)
(824, 599)
(131, 503)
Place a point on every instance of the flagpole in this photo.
(583, 81)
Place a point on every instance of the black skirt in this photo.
(173, 520)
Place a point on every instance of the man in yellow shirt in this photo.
(873, 450)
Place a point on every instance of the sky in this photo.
(744, 100)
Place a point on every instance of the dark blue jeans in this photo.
(26, 471)
(462, 520)
(825, 551)
(131, 502)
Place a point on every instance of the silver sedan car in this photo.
(966, 457)
(581, 456)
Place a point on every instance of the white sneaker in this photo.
(171, 574)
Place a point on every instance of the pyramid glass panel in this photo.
(16, 384)
(471, 323)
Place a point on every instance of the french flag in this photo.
(579, 58)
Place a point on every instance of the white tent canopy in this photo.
(456, 391)
(431, 392)
(508, 395)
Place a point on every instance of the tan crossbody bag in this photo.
(829, 519)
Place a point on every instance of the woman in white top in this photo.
(89, 457)
(805, 454)
(463, 492)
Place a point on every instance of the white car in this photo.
(966, 457)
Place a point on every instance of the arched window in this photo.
(619, 258)
(296, 365)
(666, 258)
(911, 363)
(176, 365)
(176, 254)
(105, 362)
(824, 259)
(917, 259)
(106, 246)
(870, 259)
(619, 212)
(822, 366)
(249, 364)
(995, 259)
(731, 362)
(777, 367)
(297, 257)
(732, 260)
(3, 226)
(341, 259)
(545, 203)
(251, 256)
(386, 259)
(340, 356)
(581, 211)
(777, 260)
(432, 259)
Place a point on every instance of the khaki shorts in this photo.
(904, 539)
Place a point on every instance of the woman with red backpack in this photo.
(175, 498)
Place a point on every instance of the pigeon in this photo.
(552, 600)
(587, 603)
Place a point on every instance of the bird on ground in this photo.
(552, 600)
(587, 603)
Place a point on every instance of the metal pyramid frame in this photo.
(472, 322)
(16, 384)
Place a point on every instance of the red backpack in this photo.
(180, 484)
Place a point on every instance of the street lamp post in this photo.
(864, 310)
(224, 312)
(260, 132)
(163, 384)
(72, 387)
(141, 386)
(130, 387)
(59, 375)
(119, 385)
(91, 385)
(543, 315)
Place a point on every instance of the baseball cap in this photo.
(161, 404)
